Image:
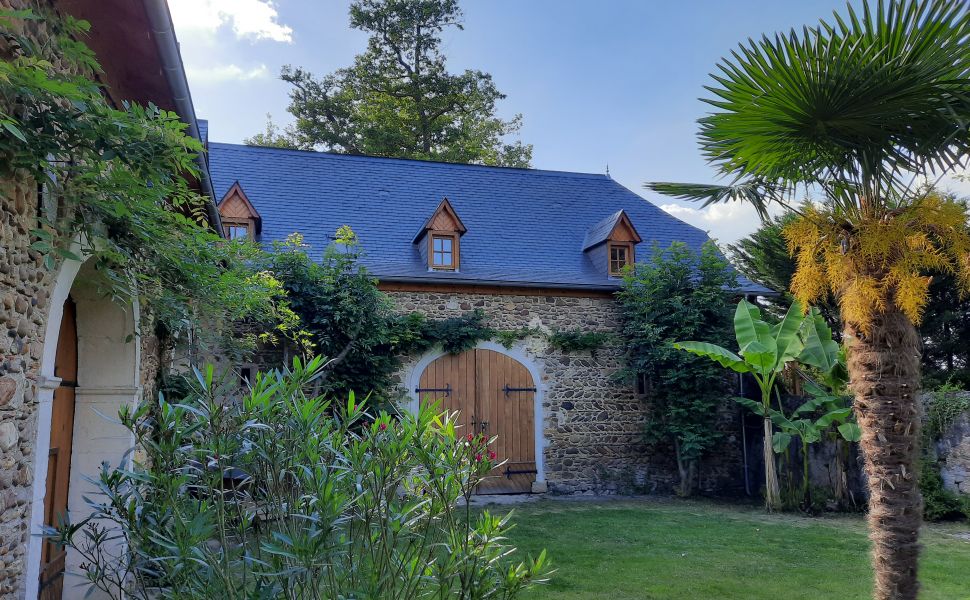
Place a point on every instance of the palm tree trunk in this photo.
(884, 374)
(772, 490)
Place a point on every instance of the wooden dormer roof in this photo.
(443, 219)
(235, 206)
(614, 228)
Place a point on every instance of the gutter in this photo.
(496, 282)
(163, 31)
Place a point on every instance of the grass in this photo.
(672, 550)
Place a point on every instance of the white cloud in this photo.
(222, 73)
(727, 222)
(249, 19)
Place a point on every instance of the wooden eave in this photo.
(624, 231)
(236, 193)
(443, 219)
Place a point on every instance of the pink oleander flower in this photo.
(491, 455)
(383, 426)
(478, 458)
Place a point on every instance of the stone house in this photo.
(69, 352)
(532, 249)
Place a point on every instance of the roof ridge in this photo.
(368, 157)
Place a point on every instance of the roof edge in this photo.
(163, 31)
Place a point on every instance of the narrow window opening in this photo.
(443, 252)
(619, 258)
(237, 231)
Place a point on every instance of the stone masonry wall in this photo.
(953, 449)
(25, 288)
(24, 292)
(592, 423)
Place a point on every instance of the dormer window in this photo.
(620, 257)
(240, 220)
(442, 232)
(444, 251)
(610, 244)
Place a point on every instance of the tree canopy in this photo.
(398, 99)
(678, 294)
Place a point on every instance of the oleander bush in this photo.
(281, 494)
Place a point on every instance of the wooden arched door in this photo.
(495, 395)
(59, 458)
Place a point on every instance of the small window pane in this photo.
(442, 251)
(619, 257)
(236, 232)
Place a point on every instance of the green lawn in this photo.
(700, 550)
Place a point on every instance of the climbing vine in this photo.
(578, 340)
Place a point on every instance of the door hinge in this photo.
(445, 390)
(508, 390)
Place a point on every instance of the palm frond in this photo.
(869, 100)
(758, 194)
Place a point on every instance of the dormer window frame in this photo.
(237, 212)
(629, 259)
(228, 225)
(450, 236)
(443, 224)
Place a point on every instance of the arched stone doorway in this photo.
(494, 394)
(72, 444)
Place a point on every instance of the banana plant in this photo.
(765, 350)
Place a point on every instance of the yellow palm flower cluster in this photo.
(879, 262)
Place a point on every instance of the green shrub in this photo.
(939, 503)
(286, 495)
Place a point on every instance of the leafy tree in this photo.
(859, 109)
(273, 136)
(398, 99)
(945, 329)
(342, 314)
(676, 295)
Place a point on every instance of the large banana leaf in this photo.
(851, 432)
(748, 326)
(722, 356)
(786, 334)
(820, 351)
(761, 356)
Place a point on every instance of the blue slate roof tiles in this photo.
(524, 226)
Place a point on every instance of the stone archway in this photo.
(108, 377)
(497, 394)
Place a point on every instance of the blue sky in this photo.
(598, 82)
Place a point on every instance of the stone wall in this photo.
(24, 291)
(26, 286)
(953, 450)
(592, 423)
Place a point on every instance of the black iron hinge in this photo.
(509, 472)
(508, 390)
(446, 390)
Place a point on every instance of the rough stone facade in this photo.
(592, 423)
(953, 449)
(26, 286)
(24, 293)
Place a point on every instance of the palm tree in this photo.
(865, 112)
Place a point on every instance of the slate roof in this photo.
(600, 232)
(204, 133)
(526, 227)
